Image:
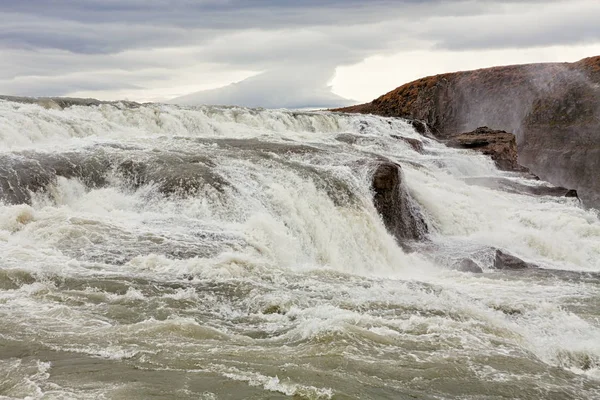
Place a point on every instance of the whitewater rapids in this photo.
(250, 262)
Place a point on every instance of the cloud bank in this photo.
(287, 50)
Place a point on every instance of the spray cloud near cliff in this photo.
(553, 109)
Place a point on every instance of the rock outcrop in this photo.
(400, 213)
(507, 261)
(501, 146)
(553, 109)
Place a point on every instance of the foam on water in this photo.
(282, 278)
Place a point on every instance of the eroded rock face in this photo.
(501, 146)
(507, 261)
(553, 109)
(400, 213)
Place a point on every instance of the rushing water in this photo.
(226, 253)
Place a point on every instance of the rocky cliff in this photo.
(553, 109)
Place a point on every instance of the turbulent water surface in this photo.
(226, 253)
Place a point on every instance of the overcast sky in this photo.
(291, 53)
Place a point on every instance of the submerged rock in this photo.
(512, 186)
(504, 260)
(23, 174)
(172, 174)
(416, 144)
(400, 213)
(501, 146)
(467, 265)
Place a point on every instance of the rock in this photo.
(400, 213)
(467, 265)
(23, 174)
(552, 108)
(348, 138)
(571, 193)
(512, 186)
(416, 144)
(507, 261)
(420, 126)
(501, 146)
(172, 174)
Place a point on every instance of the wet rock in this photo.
(172, 174)
(571, 193)
(400, 213)
(22, 174)
(501, 146)
(256, 145)
(348, 138)
(420, 126)
(512, 186)
(467, 265)
(416, 144)
(507, 261)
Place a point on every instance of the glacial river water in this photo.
(227, 253)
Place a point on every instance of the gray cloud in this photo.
(51, 47)
(567, 24)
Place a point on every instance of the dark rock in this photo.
(507, 261)
(419, 126)
(416, 144)
(501, 146)
(572, 193)
(401, 215)
(467, 265)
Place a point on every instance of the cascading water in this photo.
(227, 253)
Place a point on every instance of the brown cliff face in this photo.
(553, 109)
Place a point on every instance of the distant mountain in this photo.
(553, 109)
(274, 89)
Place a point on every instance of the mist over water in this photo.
(229, 253)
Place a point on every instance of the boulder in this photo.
(501, 146)
(400, 213)
(507, 261)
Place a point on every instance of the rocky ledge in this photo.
(501, 146)
(553, 109)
